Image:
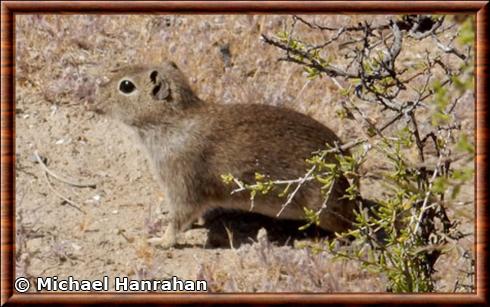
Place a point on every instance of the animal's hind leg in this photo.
(181, 216)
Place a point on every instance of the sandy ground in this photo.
(103, 231)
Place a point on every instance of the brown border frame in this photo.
(10, 8)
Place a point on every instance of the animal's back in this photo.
(271, 140)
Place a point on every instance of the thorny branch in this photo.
(378, 72)
(374, 66)
(300, 183)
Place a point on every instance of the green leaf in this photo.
(464, 145)
(440, 118)
(227, 178)
(259, 176)
(440, 185)
(467, 32)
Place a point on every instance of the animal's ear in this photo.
(161, 88)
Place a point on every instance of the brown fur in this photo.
(190, 143)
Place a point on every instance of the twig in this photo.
(327, 69)
(300, 183)
(241, 187)
(67, 200)
(64, 180)
(339, 149)
(327, 198)
(420, 36)
(427, 195)
(448, 49)
(229, 233)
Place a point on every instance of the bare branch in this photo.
(64, 180)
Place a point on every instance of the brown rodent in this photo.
(191, 143)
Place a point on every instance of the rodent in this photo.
(191, 143)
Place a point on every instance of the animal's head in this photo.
(144, 94)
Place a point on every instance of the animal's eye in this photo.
(126, 86)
